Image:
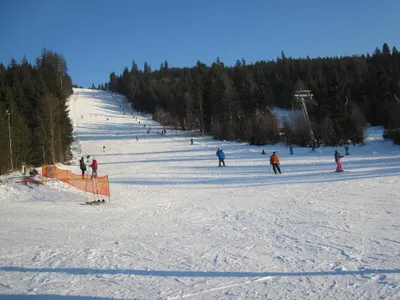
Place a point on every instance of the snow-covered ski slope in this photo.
(179, 227)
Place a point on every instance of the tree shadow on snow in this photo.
(171, 273)
(52, 297)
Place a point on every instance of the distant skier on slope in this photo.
(338, 156)
(346, 148)
(274, 162)
(221, 156)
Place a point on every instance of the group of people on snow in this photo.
(93, 165)
(274, 160)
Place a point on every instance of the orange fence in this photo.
(100, 185)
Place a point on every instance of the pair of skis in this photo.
(95, 189)
(98, 202)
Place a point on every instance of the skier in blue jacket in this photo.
(221, 157)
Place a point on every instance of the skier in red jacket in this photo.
(94, 168)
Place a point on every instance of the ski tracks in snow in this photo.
(173, 210)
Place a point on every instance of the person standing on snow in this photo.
(94, 168)
(221, 157)
(291, 149)
(338, 162)
(274, 162)
(82, 165)
(346, 148)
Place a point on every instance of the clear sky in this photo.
(98, 37)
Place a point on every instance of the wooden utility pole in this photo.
(8, 113)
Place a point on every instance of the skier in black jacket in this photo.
(82, 165)
(338, 156)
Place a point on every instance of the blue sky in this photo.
(98, 37)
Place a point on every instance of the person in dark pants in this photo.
(221, 157)
(291, 149)
(82, 165)
(94, 168)
(346, 148)
(274, 161)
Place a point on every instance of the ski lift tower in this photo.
(302, 97)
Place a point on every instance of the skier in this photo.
(313, 145)
(338, 162)
(94, 168)
(104, 148)
(221, 157)
(82, 165)
(274, 162)
(291, 149)
(263, 152)
(191, 140)
(346, 148)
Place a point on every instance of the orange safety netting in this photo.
(99, 185)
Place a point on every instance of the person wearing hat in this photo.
(82, 165)
(338, 156)
(274, 161)
(221, 157)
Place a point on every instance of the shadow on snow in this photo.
(87, 271)
(51, 297)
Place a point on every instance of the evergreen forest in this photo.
(34, 112)
(236, 102)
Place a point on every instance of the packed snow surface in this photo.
(180, 227)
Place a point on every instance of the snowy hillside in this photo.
(179, 227)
